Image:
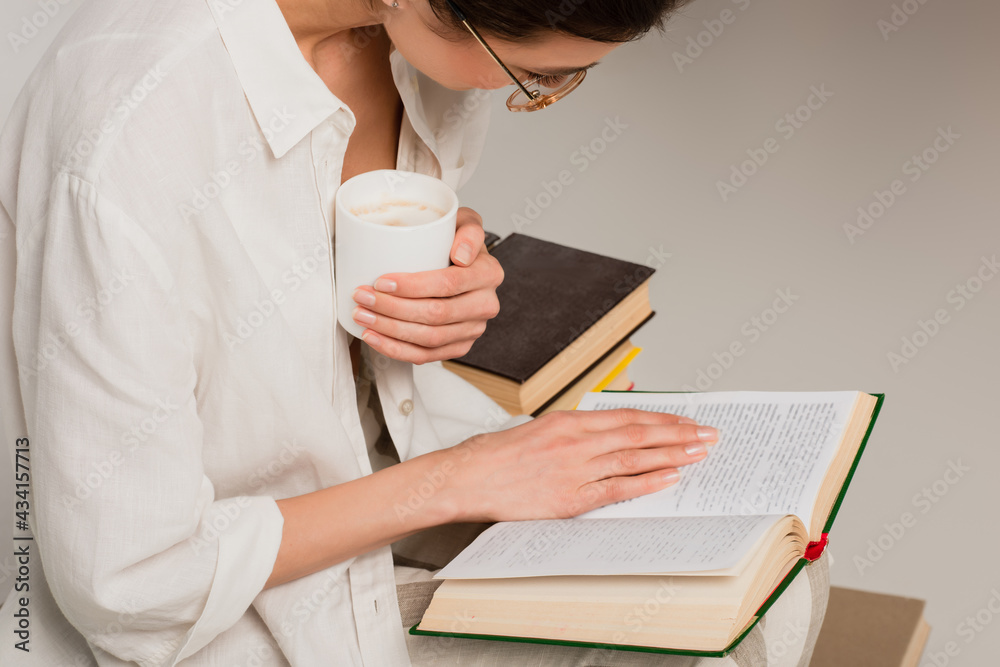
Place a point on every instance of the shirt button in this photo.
(406, 407)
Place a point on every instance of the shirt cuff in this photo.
(248, 546)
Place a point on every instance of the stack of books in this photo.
(688, 570)
(564, 328)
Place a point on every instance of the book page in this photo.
(773, 451)
(609, 546)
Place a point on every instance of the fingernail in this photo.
(695, 449)
(464, 254)
(671, 476)
(371, 339)
(385, 285)
(707, 433)
(364, 297)
(362, 316)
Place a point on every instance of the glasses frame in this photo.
(522, 88)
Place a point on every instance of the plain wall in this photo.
(663, 133)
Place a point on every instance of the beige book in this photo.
(865, 629)
(610, 373)
(688, 569)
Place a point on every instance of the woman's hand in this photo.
(567, 463)
(434, 315)
(559, 465)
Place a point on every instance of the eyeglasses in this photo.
(537, 92)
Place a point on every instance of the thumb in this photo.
(469, 237)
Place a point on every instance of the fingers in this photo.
(602, 420)
(414, 354)
(483, 273)
(630, 462)
(616, 489)
(481, 305)
(423, 335)
(632, 443)
(469, 237)
(641, 436)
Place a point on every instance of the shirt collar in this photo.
(289, 99)
(286, 96)
(435, 112)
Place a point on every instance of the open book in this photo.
(688, 569)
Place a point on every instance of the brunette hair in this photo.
(599, 20)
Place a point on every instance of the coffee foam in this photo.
(398, 213)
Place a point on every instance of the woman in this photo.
(201, 455)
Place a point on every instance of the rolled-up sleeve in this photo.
(128, 523)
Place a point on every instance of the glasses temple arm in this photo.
(475, 33)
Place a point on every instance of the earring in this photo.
(395, 5)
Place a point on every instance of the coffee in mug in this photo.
(398, 213)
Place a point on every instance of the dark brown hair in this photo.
(598, 20)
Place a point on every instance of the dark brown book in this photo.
(865, 629)
(561, 310)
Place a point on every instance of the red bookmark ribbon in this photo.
(816, 549)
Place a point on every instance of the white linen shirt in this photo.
(167, 179)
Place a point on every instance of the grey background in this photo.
(651, 195)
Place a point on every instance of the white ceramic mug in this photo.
(389, 221)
